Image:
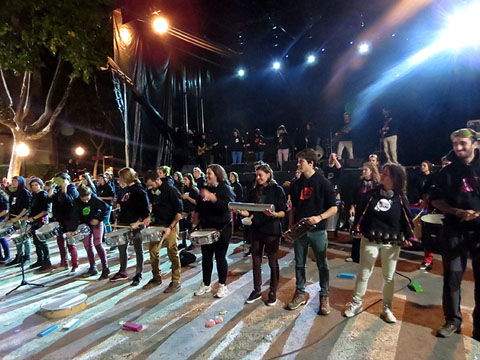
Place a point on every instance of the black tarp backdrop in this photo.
(170, 87)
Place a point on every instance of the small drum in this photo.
(118, 237)
(205, 236)
(332, 221)
(48, 231)
(19, 238)
(63, 305)
(78, 235)
(19, 224)
(6, 229)
(152, 234)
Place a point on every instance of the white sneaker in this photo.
(387, 315)
(73, 272)
(222, 291)
(352, 309)
(202, 290)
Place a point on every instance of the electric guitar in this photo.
(203, 149)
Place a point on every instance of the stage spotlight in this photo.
(311, 59)
(22, 149)
(79, 151)
(463, 28)
(364, 48)
(160, 25)
(276, 65)
(241, 72)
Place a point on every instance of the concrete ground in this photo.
(174, 324)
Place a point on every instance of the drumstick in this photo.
(121, 226)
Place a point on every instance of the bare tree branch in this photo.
(26, 107)
(7, 91)
(44, 118)
(58, 110)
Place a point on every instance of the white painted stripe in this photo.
(264, 346)
(232, 334)
(304, 322)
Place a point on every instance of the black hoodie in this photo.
(95, 208)
(166, 203)
(216, 214)
(63, 207)
(134, 204)
(20, 199)
(458, 184)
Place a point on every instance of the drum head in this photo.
(433, 219)
(118, 232)
(48, 227)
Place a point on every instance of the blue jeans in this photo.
(106, 222)
(318, 240)
(259, 155)
(236, 157)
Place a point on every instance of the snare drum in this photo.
(19, 224)
(6, 229)
(152, 234)
(19, 238)
(205, 236)
(118, 237)
(48, 231)
(79, 234)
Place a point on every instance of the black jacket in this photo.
(39, 203)
(216, 215)
(63, 207)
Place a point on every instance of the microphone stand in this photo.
(24, 282)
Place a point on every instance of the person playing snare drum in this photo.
(167, 208)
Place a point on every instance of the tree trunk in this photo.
(15, 160)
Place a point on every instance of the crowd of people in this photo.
(382, 221)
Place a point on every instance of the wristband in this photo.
(321, 217)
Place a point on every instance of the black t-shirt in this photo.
(166, 203)
(256, 143)
(106, 190)
(39, 203)
(236, 144)
(311, 197)
(134, 204)
(193, 193)
(272, 194)
(216, 214)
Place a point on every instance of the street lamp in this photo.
(79, 151)
(22, 150)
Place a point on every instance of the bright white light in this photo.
(276, 65)
(311, 59)
(463, 28)
(125, 34)
(22, 149)
(160, 25)
(364, 48)
(241, 72)
(79, 151)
